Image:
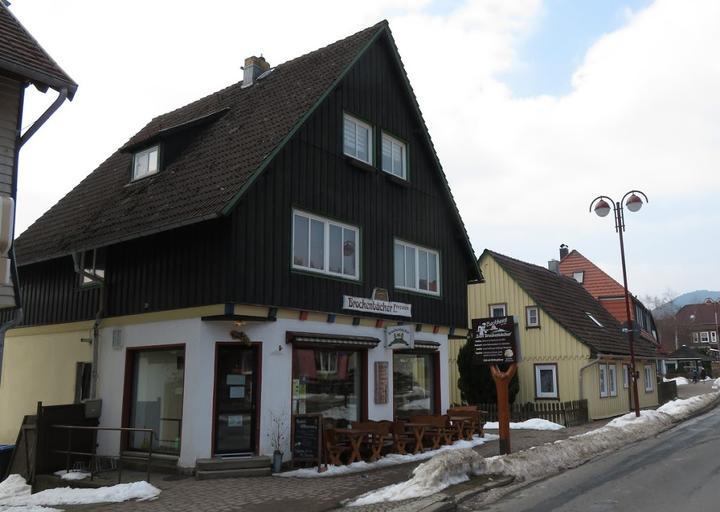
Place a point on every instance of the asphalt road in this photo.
(679, 470)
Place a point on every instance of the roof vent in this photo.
(254, 67)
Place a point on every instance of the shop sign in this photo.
(381, 307)
(400, 337)
(494, 340)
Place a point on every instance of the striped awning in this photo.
(336, 340)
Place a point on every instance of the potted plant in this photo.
(277, 435)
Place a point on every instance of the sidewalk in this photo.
(270, 494)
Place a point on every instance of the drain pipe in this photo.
(44, 117)
(583, 368)
(95, 335)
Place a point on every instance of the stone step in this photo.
(161, 463)
(230, 463)
(232, 473)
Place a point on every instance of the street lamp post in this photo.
(633, 203)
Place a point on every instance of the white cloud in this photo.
(643, 112)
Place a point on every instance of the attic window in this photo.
(594, 320)
(145, 162)
(579, 276)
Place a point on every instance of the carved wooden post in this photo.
(502, 382)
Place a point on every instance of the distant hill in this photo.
(696, 297)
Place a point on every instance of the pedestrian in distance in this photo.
(703, 375)
(694, 375)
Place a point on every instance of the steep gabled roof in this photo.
(595, 280)
(707, 313)
(23, 56)
(242, 130)
(568, 303)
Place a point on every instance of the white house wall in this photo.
(200, 340)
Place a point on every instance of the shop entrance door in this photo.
(236, 390)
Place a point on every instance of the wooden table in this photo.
(356, 437)
(459, 423)
(419, 432)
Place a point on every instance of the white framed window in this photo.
(417, 268)
(704, 337)
(612, 380)
(579, 276)
(696, 338)
(357, 139)
(325, 246)
(497, 310)
(394, 156)
(532, 316)
(713, 336)
(649, 386)
(626, 376)
(597, 322)
(145, 162)
(326, 362)
(603, 379)
(546, 381)
(93, 265)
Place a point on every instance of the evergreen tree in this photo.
(476, 383)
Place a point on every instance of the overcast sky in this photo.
(534, 107)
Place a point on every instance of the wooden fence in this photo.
(568, 414)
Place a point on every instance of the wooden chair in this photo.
(475, 422)
(380, 436)
(334, 447)
(438, 430)
(402, 438)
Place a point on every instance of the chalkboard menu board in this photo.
(307, 439)
(494, 340)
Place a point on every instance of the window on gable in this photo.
(357, 139)
(145, 162)
(546, 382)
(416, 268)
(497, 310)
(325, 246)
(579, 276)
(93, 266)
(713, 336)
(394, 156)
(704, 337)
(532, 316)
(696, 337)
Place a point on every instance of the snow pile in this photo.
(531, 424)
(72, 474)
(14, 492)
(540, 461)
(716, 384)
(443, 470)
(392, 459)
(680, 381)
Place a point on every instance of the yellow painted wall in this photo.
(454, 346)
(551, 343)
(40, 367)
(606, 407)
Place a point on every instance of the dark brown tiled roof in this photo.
(251, 123)
(23, 56)
(686, 352)
(567, 302)
(699, 315)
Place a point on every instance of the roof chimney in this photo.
(254, 67)
(564, 251)
(554, 266)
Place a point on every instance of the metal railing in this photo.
(93, 455)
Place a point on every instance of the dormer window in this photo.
(145, 162)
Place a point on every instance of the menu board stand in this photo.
(307, 440)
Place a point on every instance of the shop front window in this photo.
(327, 381)
(413, 384)
(157, 398)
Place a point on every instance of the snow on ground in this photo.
(716, 384)
(392, 459)
(531, 424)
(680, 381)
(72, 474)
(540, 461)
(16, 495)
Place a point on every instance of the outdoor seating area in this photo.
(371, 440)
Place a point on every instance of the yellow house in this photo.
(570, 347)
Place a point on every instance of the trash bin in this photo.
(6, 451)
